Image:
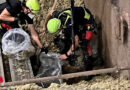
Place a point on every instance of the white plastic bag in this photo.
(16, 43)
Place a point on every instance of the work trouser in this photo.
(85, 45)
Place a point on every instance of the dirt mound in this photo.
(23, 87)
(104, 82)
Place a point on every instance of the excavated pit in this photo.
(107, 45)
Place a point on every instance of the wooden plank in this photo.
(65, 76)
(20, 69)
(1, 69)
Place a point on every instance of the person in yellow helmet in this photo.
(15, 12)
(84, 25)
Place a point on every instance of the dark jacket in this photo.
(14, 7)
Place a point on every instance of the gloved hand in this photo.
(22, 17)
(19, 21)
(44, 49)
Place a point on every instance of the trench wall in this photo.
(112, 17)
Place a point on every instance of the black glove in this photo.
(44, 49)
(19, 21)
(22, 17)
(72, 60)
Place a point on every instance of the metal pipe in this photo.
(64, 76)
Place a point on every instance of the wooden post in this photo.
(2, 77)
(20, 69)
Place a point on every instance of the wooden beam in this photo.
(65, 76)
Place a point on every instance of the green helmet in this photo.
(53, 25)
(33, 5)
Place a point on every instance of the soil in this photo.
(104, 82)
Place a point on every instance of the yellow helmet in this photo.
(33, 5)
(53, 25)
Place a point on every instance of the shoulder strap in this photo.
(68, 15)
(87, 15)
(65, 12)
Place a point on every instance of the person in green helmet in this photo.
(84, 25)
(15, 12)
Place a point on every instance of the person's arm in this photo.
(47, 19)
(63, 56)
(34, 35)
(72, 47)
(6, 16)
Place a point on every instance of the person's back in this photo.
(14, 12)
(13, 6)
(82, 16)
(3, 6)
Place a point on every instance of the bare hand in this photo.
(63, 56)
(51, 11)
